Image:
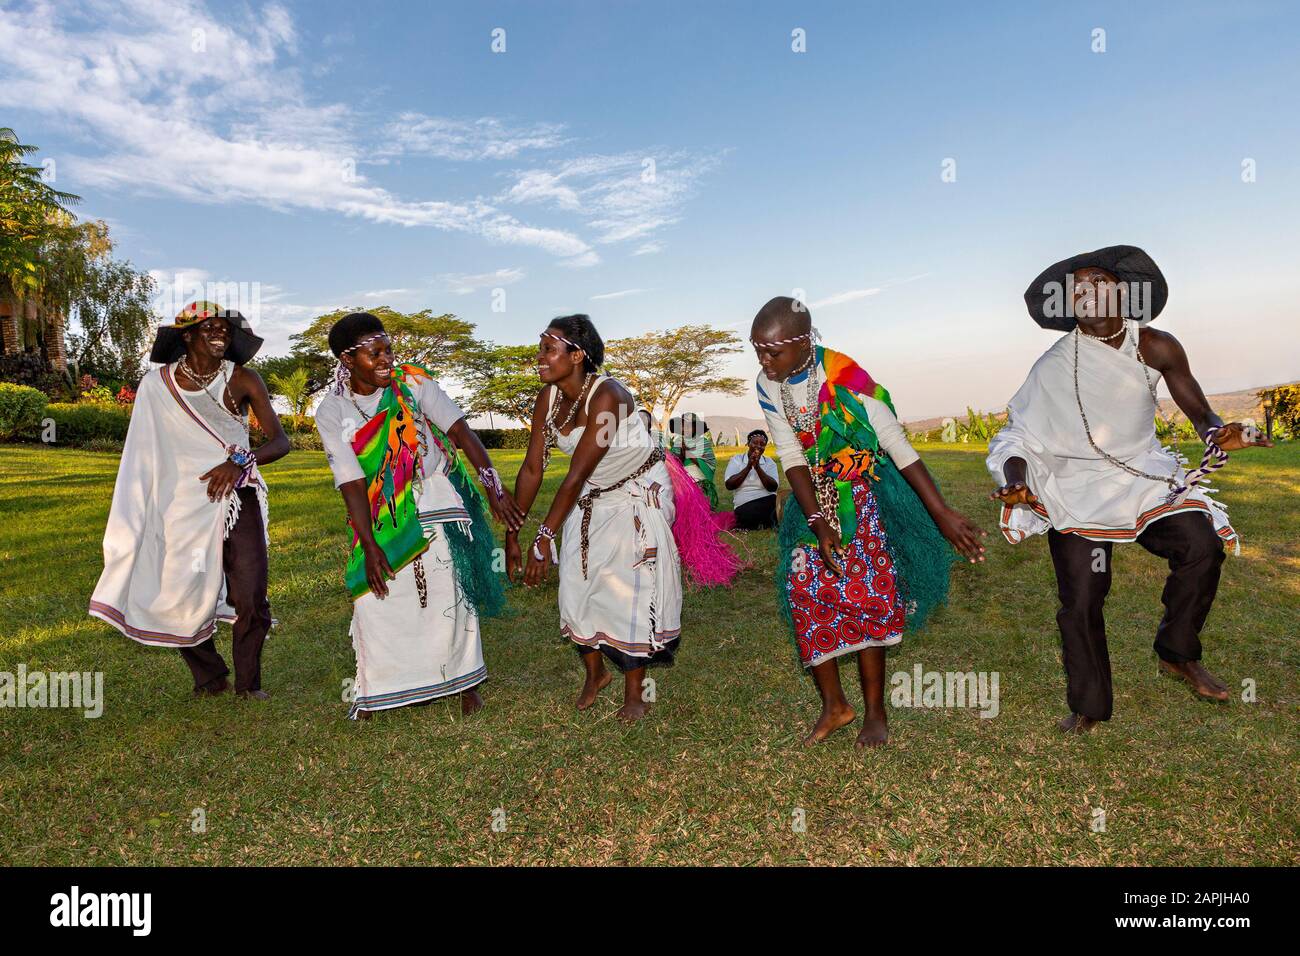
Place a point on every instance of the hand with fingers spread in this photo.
(962, 534)
(221, 479)
(1014, 493)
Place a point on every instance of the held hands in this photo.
(962, 534)
(1014, 493)
(538, 570)
(514, 558)
(1236, 435)
(221, 480)
(506, 510)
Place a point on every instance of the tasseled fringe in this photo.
(706, 558)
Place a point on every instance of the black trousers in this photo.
(1195, 554)
(243, 559)
(759, 513)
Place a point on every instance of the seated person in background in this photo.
(753, 479)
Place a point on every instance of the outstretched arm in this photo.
(604, 413)
(952, 524)
(1166, 353)
(504, 507)
(527, 483)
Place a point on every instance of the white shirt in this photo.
(752, 487)
(889, 433)
(337, 421)
(1078, 490)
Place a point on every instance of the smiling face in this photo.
(554, 360)
(371, 365)
(210, 338)
(758, 444)
(1097, 298)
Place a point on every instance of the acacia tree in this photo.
(438, 342)
(661, 367)
(502, 380)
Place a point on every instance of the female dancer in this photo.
(420, 571)
(620, 568)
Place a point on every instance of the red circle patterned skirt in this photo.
(861, 608)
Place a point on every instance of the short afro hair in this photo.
(346, 331)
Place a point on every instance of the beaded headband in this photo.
(342, 377)
(366, 341)
(552, 335)
(812, 334)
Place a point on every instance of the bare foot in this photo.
(254, 695)
(590, 688)
(1076, 724)
(471, 702)
(1203, 682)
(831, 720)
(631, 710)
(363, 715)
(875, 731)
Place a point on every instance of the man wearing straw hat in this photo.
(186, 541)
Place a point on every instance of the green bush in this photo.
(503, 437)
(79, 424)
(21, 410)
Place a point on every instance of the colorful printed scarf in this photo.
(388, 449)
(847, 449)
(843, 443)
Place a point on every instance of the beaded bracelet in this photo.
(813, 517)
(549, 535)
(490, 479)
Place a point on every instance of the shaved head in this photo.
(781, 318)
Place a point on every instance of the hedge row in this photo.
(23, 411)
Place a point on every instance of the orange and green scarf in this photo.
(388, 449)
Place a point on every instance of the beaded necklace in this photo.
(552, 431)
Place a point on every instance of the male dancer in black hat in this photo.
(186, 543)
(1079, 460)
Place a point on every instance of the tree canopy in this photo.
(662, 366)
(439, 342)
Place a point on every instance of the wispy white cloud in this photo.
(622, 197)
(483, 138)
(385, 293)
(852, 295)
(462, 284)
(234, 125)
(617, 295)
(648, 248)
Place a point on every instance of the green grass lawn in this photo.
(714, 775)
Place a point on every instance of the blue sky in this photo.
(344, 154)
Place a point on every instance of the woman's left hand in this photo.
(221, 480)
(536, 572)
(963, 534)
(505, 510)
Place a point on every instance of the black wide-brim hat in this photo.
(1129, 264)
(170, 344)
